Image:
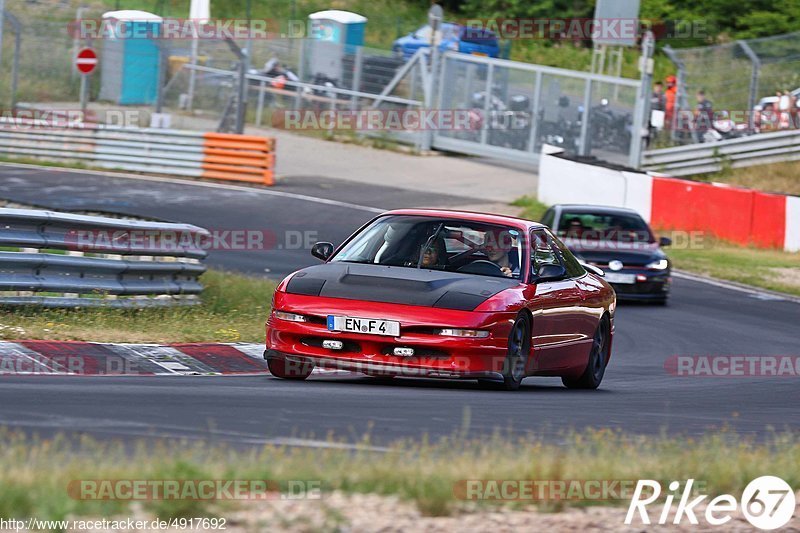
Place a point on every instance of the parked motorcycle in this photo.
(609, 129)
(561, 127)
(508, 125)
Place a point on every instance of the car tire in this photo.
(516, 361)
(296, 371)
(598, 357)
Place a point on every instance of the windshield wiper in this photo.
(428, 243)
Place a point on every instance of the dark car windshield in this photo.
(452, 245)
(617, 227)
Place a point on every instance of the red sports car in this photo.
(445, 294)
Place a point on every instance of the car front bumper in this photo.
(434, 355)
(649, 286)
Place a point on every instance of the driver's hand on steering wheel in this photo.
(506, 272)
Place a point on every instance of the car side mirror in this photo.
(550, 273)
(664, 241)
(322, 250)
(593, 269)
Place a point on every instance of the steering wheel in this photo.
(482, 267)
(462, 255)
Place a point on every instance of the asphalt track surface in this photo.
(638, 395)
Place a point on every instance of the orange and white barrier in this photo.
(228, 156)
(222, 156)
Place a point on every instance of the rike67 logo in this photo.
(768, 503)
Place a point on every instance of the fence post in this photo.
(16, 27)
(430, 94)
(487, 103)
(15, 68)
(680, 97)
(358, 64)
(301, 74)
(641, 115)
(754, 76)
(537, 94)
(2, 10)
(584, 141)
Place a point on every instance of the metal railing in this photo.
(57, 259)
(733, 153)
(160, 151)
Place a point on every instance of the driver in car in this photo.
(497, 246)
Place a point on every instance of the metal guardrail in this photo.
(759, 149)
(63, 260)
(162, 151)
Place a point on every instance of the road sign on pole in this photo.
(86, 60)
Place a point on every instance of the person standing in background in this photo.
(670, 98)
(703, 116)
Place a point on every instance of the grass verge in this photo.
(532, 209)
(775, 177)
(234, 308)
(769, 269)
(35, 473)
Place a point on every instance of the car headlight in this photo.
(290, 317)
(660, 264)
(474, 333)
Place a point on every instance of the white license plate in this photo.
(369, 326)
(625, 279)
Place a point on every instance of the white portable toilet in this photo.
(334, 35)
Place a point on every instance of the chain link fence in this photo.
(741, 78)
(514, 108)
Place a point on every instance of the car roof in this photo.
(486, 218)
(599, 209)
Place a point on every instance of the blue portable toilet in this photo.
(335, 34)
(130, 57)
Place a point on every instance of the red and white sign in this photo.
(86, 60)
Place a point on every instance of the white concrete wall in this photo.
(567, 182)
(639, 195)
(562, 181)
(792, 242)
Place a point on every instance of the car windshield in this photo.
(437, 244)
(617, 227)
(448, 32)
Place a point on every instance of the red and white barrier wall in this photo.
(743, 216)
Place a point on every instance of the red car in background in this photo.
(445, 294)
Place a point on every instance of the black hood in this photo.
(632, 254)
(398, 285)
